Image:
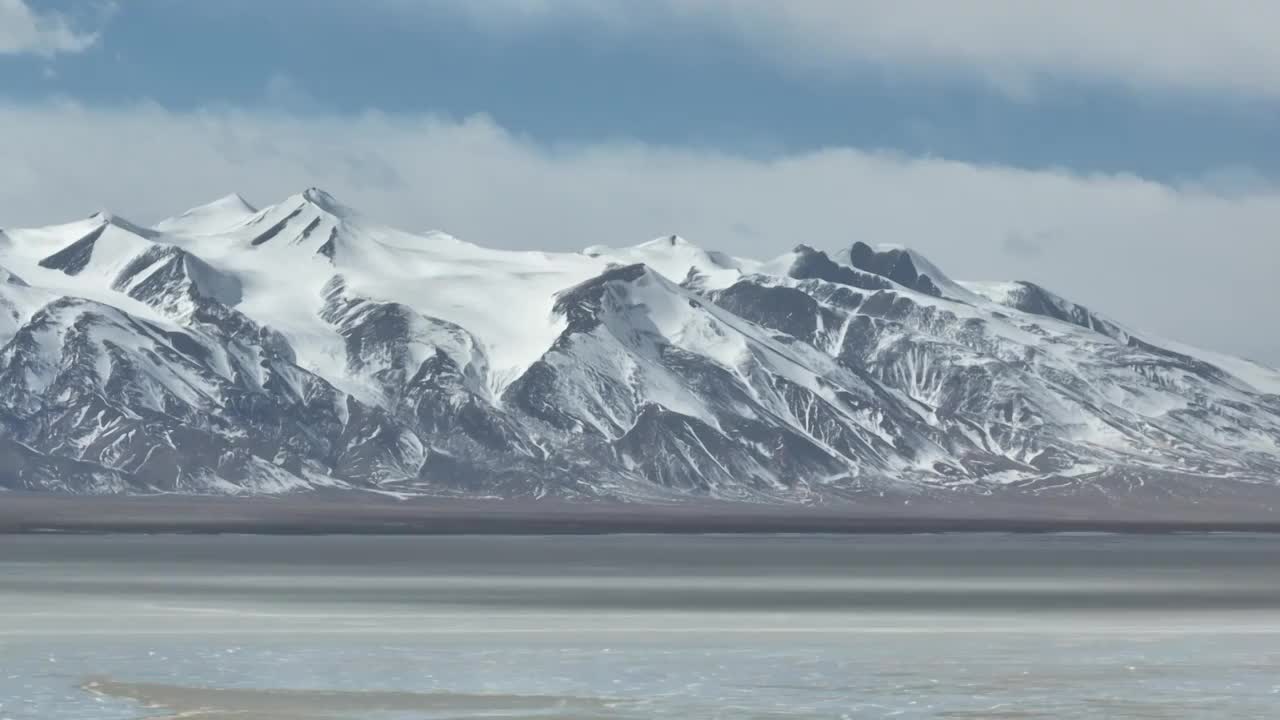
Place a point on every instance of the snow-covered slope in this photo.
(300, 346)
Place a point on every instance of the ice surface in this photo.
(1084, 626)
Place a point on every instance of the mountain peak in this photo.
(895, 263)
(104, 218)
(232, 201)
(326, 202)
(222, 214)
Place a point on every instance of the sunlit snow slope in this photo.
(302, 346)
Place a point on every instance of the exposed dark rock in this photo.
(895, 265)
(75, 257)
(814, 264)
(276, 229)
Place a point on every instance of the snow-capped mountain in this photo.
(303, 346)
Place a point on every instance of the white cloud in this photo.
(1196, 263)
(25, 31)
(1198, 45)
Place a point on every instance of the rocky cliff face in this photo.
(302, 346)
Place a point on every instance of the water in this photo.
(941, 626)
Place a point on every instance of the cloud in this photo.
(1026, 247)
(1226, 45)
(284, 92)
(25, 31)
(1194, 263)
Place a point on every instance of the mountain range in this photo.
(303, 347)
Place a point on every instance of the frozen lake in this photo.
(909, 626)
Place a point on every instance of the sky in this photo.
(1125, 155)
